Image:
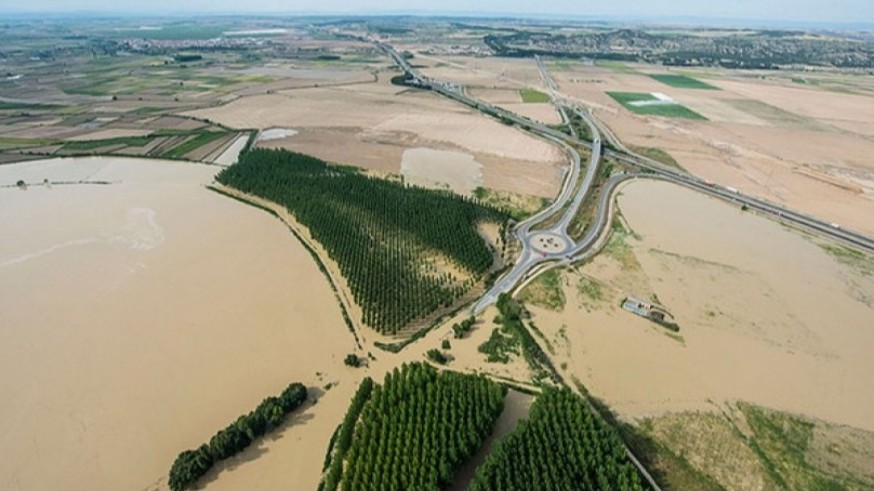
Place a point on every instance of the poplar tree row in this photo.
(419, 428)
(389, 240)
(191, 465)
(562, 446)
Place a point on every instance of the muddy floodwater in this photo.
(141, 313)
(432, 168)
(765, 314)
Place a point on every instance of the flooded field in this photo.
(766, 315)
(140, 316)
(432, 168)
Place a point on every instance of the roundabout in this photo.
(548, 243)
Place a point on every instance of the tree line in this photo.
(344, 435)
(191, 465)
(388, 239)
(419, 428)
(562, 446)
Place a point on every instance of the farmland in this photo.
(682, 82)
(351, 224)
(530, 96)
(649, 105)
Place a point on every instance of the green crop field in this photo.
(128, 141)
(670, 110)
(194, 143)
(531, 95)
(682, 82)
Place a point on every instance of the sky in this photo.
(826, 11)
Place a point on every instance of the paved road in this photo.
(532, 255)
(530, 258)
(778, 212)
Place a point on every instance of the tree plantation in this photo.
(418, 428)
(562, 446)
(406, 252)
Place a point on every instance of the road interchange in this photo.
(650, 168)
(535, 259)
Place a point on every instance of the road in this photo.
(536, 245)
(552, 243)
(533, 261)
(773, 210)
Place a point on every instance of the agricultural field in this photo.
(803, 145)
(682, 81)
(651, 105)
(354, 225)
(768, 449)
(530, 96)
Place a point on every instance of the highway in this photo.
(653, 168)
(553, 243)
(552, 247)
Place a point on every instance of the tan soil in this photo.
(810, 153)
(371, 125)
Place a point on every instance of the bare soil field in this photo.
(109, 133)
(441, 169)
(485, 72)
(47, 132)
(380, 154)
(543, 112)
(228, 155)
(850, 112)
(174, 123)
(371, 125)
(496, 96)
(805, 148)
(765, 314)
(124, 368)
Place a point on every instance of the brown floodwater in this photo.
(139, 317)
(765, 315)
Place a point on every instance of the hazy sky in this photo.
(859, 11)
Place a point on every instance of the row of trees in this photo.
(419, 427)
(344, 435)
(390, 241)
(191, 465)
(562, 446)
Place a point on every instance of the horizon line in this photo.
(698, 20)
